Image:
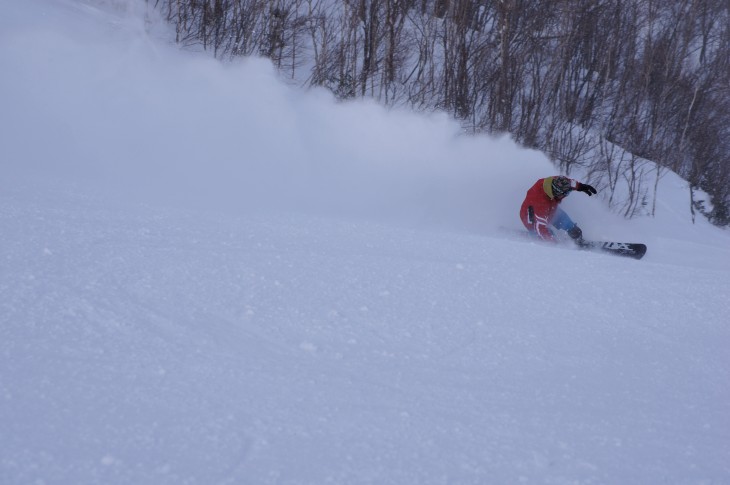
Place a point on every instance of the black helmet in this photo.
(561, 186)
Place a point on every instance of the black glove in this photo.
(588, 189)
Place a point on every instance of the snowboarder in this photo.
(540, 209)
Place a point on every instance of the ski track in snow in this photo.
(165, 341)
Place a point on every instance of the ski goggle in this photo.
(561, 193)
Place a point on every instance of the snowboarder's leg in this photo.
(536, 226)
(563, 221)
(537, 235)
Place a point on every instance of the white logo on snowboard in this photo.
(618, 246)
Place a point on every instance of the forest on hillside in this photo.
(623, 89)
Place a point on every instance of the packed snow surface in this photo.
(208, 276)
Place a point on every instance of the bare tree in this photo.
(569, 77)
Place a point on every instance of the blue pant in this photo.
(561, 220)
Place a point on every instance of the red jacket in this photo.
(544, 204)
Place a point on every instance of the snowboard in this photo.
(631, 250)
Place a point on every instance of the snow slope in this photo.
(210, 277)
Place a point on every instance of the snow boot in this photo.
(577, 235)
